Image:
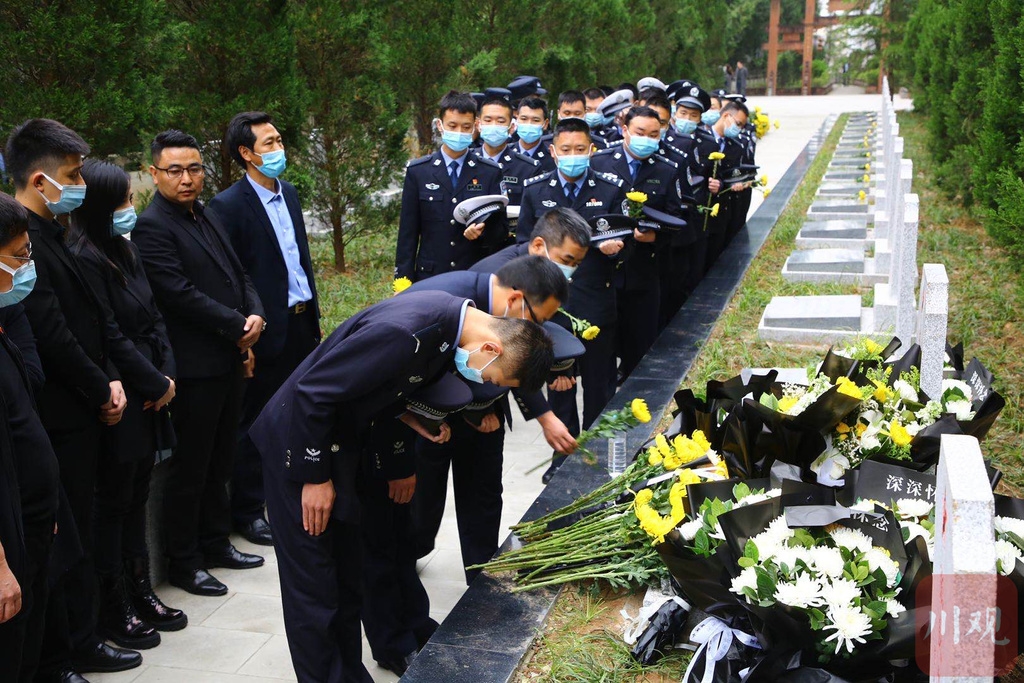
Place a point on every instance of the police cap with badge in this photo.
(650, 82)
(743, 173)
(434, 402)
(693, 97)
(524, 86)
(616, 102)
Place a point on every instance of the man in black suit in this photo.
(213, 318)
(263, 218)
(78, 344)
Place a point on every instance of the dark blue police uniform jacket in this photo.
(430, 240)
(316, 425)
(592, 295)
(516, 168)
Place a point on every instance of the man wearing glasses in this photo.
(213, 317)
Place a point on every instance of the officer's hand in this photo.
(489, 424)
(714, 185)
(401, 490)
(317, 502)
(473, 231)
(646, 237)
(562, 383)
(163, 400)
(556, 433)
(251, 332)
(249, 364)
(414, 423)
(10, 592)
(611, 247)
(112, 410)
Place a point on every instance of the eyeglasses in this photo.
(533, 316)
(194, 171)
(22, 258)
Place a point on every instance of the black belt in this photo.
(299, 307)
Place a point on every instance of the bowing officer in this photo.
(641, 169)
(314, 431)
(575, 185)
(560, 235)
(430, 241)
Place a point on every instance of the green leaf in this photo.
(746, 562)
(769, 401)
(765, 583)
(750, 551)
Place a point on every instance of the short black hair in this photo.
(14, 219)
(40, 144)
(239, 132)
(538, 278)
(459, 102)
(644, 111)
(649, 92)
(527, 354)
(630, 87)
(572, 126)
(594, 94)
(560, 224)
(732, 105)
(533, 103)
(570, 97)
(172, 138)
(498, 100)
(660, 100)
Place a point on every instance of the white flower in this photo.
(878, 559)
(830, 467)
(953, 384)
(893, 608)
(784, 555)
(931, 412)
(913, 508)
(803, 592)
(851, 539)
(906, 392)
(1007, 555)
(842, 593)
(850, 625)
(913, 428)
(1010, 525)
(864, 505)
(690, 529)
(827, 561)
(772, 538)
(962, 410)
(757, 498)
(746, 579)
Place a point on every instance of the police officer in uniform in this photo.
(531, 123)
(641, 169)
(575, 185)
(742, 197)
(722, 137)
(430, 241)
(314, 430)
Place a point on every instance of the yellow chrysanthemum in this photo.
(757, 109)
(702, 441)
(776, 124)
(591, 333)
(862, 195)
(638, 197)
(401, 284)
(661, 443)
(767, 192)
(639, 408)
(843, 428)
(643, 497)
(654, 457)
(714, 210)
(673, 462)
(848, 387)
(688, 477)
(882, 392)
(873, 347)
(675, 497)
(899, 434)
(716, 156)
(861, 428)
(764, 179)
(786, 403)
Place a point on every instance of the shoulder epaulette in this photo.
(538, 178)
(417, 162)
(610, 178)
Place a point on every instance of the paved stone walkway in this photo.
(240, 637)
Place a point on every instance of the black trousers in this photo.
(396, 609)
(718, 228)
(247, 499)
(21, 638)
(320, 586)
(638, 325)
(738, 213)
(122, 490)
(475, 460)
(197, 512)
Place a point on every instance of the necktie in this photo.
(634, 165)
(453, 173)
(570, 191)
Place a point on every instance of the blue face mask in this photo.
(274, 163)
(567, 271)
(642, 147)
(71, 197)
(22, 281)
(685, 126)
(530, 132)
(574, 165)
(455, 141)
(462, 365)
(124, 221)
(594, 119)
(710, 117)
(495, 135)
(732, 131)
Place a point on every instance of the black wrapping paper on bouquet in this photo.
(1014, 507)
(956, 358)
(987, 403)
(835, 366)
(696, 494)
(702, 581)
(910, 359)
(883, 481)
(821, 416)
(924, 447)
(720, 397)
(661, 634)
(740, 432)
(726, 647)
(784, 442)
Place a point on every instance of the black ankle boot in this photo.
(118, 619)
(145, 601)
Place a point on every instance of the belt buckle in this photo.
(300, 307)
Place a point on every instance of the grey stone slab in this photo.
(832, 312)
(841, 187)
(826, 261)
(846, 175)
(839, 207)
(932, 314)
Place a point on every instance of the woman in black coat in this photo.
(130, 613)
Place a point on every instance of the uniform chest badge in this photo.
(471, 163)
(549, 204)
(432, 186)
(618, 155)
(653, 181)
(415, 379)
(437, 162)
(510, 179)
(591, 183)
(474, 186)
(594, 202)
(444, 347)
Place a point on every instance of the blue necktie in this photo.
(570, 192)
(634, 166)
(454, 173)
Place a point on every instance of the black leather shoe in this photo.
(257, 531)
(397, 666)
(105, 658)
(231, 557)
(197, 582)
(63, 676)
(119, 621)
(146, 602)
